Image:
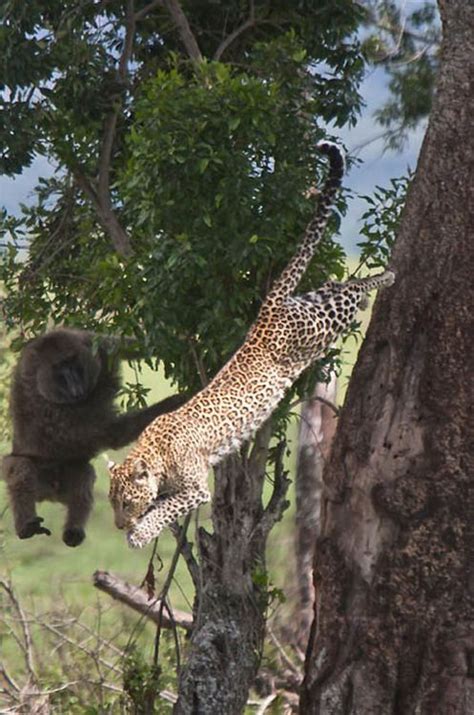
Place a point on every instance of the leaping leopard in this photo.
(165, 474)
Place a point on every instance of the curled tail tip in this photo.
(333, 151)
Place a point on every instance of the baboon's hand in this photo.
(33, 527)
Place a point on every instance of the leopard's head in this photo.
(133, 490)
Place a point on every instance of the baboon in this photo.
(63, 413)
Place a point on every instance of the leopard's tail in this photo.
(291, 276)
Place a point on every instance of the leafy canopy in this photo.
(209, 172)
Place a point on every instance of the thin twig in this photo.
(26, 631)
(77, 645)
(286, 659)
(278, 502)
(140, 14)
(316, 398)
(188, 555)
(250, 22)
(167, 584)
(199, 364)
(8, 678)
(265, 704)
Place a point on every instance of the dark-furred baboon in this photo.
(63, 412)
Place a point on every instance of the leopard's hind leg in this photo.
(320, 317)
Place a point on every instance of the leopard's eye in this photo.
(127, 503)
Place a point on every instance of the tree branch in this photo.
(188, 555)
(250, 22)
(119, 237)
(105, 213)
(28, 644)
(181, 21)
(137, 598)
(140, 14)
(278, 502)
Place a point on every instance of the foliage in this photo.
(66, 65)
(210, 172)
(381, 222)
(406, 42)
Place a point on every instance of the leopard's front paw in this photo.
(32, 528)
(141, 534)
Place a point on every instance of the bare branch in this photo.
(188, 556)
(199, 363)
(250, 22)
(265, 704)
(181, 21)
(75, 644)
(129, 38)
(284, 656)
(278, 502)
(140, 14)
(317, 398)
(28, 650)
(8, 679)
(137, 599)
(107, 218)
(166, 587)
(119, 237)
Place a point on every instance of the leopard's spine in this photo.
(292, 274)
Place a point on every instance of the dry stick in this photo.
(26, 631)
(137, 598)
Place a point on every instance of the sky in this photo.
(376, 169)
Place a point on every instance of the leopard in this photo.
(165, 476)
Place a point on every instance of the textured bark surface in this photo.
(317, 427)
(394, 568)
(225, 648)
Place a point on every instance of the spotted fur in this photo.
(165, 475)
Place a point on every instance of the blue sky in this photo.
(376, 170)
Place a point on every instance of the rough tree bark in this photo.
(394, 569)
(317, 427)
(231, 599)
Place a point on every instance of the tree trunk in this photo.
(394, 570)
(231, 602)
(317, 426)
